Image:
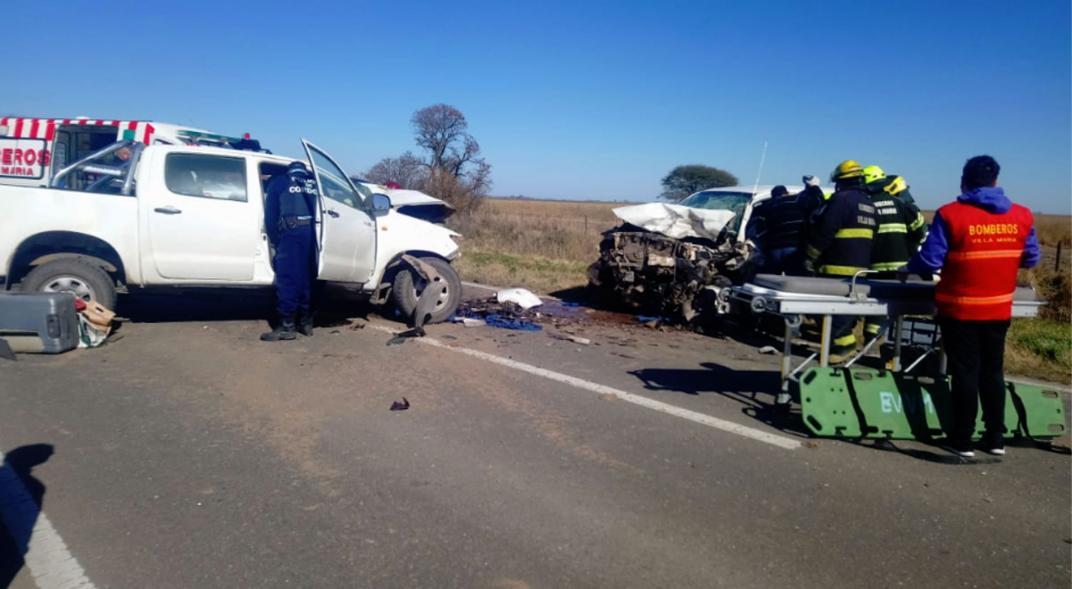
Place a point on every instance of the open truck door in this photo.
(347, 232)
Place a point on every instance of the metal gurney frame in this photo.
(852, 396)
(858, 301)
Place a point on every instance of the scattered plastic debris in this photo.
(508, 315)
(400, 405)
(768, 350)
(519, 296)
(507, 322)
(579, 340)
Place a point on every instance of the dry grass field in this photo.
(547, 246)
(541, 245)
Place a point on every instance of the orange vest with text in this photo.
(979, 273)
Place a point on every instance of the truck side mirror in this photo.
(381, 204)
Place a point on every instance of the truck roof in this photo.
(144, 131)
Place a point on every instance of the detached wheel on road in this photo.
(83, 279)
(405, 292)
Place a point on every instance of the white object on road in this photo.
(523, 298)
(676, 221)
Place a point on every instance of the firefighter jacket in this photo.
(978, 242)
(840, 239)
(900, 230)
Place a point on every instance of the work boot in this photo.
(305, 324)
(282, 332)
(841, 354)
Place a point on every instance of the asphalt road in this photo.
(188, 454)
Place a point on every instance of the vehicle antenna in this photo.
(762, 160)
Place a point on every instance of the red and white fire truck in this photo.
(32, 150)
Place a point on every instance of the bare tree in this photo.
(440, 128)
(452, 169)
(407, 170)
(457, 172)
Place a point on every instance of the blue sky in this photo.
(584, 99)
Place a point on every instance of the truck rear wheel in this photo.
(83, 279)
(404, 294)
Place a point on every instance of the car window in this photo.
(206, 176)
(334, 184)
(718, 200)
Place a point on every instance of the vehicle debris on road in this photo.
(39, 323)
(505, 315)
(519, 296)
(94, 323)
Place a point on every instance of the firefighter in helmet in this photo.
(901, 228)
(840, 242)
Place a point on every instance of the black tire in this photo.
(80, 277)
(404, 295)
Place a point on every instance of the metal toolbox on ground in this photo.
(43, 323)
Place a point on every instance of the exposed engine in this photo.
(652, 273)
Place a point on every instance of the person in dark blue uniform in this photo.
(290, 220)
(779, 225)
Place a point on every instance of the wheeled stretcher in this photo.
(894, 402)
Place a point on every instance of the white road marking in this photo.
(701, 418)
(51, 565)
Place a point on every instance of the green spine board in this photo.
(868, 403)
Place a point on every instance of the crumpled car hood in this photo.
(676, 221)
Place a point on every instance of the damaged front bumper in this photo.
(677, 278)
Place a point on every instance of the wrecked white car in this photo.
(672, 259)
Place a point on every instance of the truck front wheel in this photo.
(83, 279)
(405, 293)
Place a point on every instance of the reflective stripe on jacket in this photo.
(840, 240)
(901, 228)
(985, 252)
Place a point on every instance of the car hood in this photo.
(676, 221)
(401, 197)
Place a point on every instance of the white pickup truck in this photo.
(135, 215)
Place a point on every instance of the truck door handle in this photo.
(168, 210)
(331, 213)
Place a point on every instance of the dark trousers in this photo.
(841, 332)
(295, 271)
(781, 260)
(975, 351)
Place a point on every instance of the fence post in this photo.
(1057, 264)
(586, 233)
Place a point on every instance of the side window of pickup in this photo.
(334, 183)
(206, 176)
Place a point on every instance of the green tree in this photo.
(685, 180)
